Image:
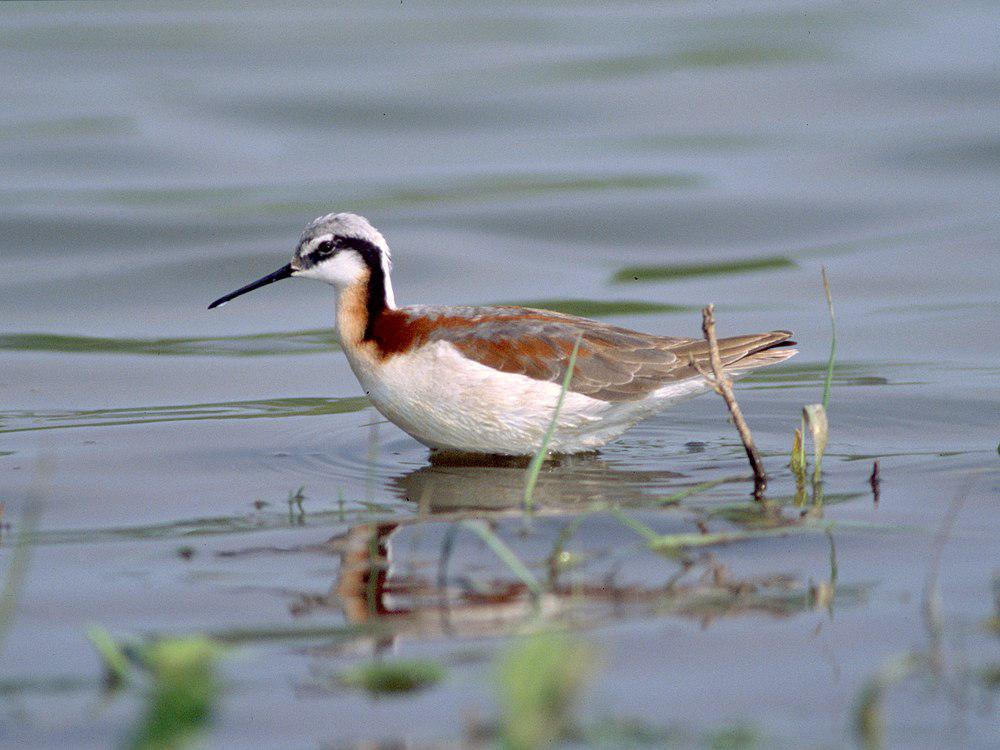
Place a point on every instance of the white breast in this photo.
(448, 401)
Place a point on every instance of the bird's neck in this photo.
(361, 304)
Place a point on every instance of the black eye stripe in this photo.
(367, 250)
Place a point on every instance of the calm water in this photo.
(154, 158)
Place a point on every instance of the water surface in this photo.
(632, 162)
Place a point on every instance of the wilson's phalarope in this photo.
(486, 379)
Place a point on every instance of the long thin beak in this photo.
(282, 273)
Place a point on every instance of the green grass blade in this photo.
(17, 569)
(637, 526)
(539, 458)
(506, 554)
(694, 490)
(116, 666)
(797, 463)
(833, 340)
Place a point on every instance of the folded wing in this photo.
(613, 364)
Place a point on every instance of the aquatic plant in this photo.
(539, 458)
(181, 685)
(398, 676)
(17, 568)
(538, 680)
(183, 693)
(814, 416)
(869, 718)
(833, 339)
(113, 659)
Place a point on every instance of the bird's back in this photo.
(613, 364)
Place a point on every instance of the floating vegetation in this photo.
(267, 633)
(687, 492)
(255, 200)
(990, 676)
(398, 676)
(260, 521)
(252, 345)
(49, 686)
(309, 341)
(690, 270)
(742, 54)
(26, 421)
(770, 512)
(776, 596)
(674, 544)
(68, 127)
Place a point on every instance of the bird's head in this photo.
(341, 249)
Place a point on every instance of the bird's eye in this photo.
(323, 249)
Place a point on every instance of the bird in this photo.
(487, 379)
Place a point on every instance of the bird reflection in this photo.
(455, 482)
(429, 575)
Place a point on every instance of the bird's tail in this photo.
(741, 354)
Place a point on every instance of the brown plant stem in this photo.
(724, 388)
(875, 481)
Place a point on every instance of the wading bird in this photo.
(487, 379)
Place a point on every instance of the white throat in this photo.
(390, 298)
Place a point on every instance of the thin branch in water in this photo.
(724, 388)
(875, 480)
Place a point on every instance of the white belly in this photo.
(449, 402)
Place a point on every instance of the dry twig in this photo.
(718, 380)
(875, 480)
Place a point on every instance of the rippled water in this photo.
(630, 162)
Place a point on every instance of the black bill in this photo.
(282, 273)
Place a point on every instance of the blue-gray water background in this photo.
(154, 157)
